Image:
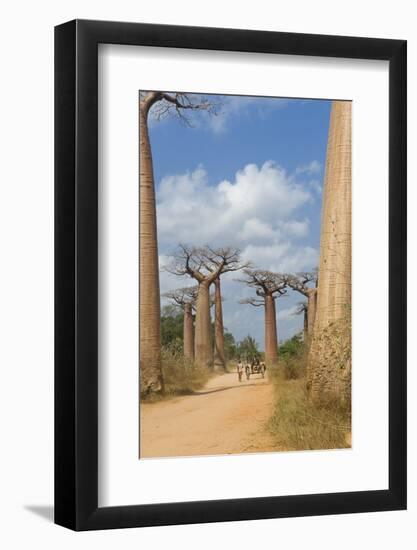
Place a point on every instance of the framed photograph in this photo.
(230, 252)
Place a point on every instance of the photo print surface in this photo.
(244, 274)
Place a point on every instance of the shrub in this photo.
(292, 358)
(180, 375)
(293, 368)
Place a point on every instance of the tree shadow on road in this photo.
(215, 390)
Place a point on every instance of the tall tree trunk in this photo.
(271, 340)
(203, 347)
(150, 318)
(329, 368)
(219, 358)
(311, 309)
(305, 327)
(188, 332)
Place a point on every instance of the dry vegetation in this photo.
(181, 376)
(297, 422)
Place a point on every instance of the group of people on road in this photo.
(255, 366)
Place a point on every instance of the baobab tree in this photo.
(303, 309)
(186, 298)
(329, 366)
(219, 356)
(205, 265)
(268, 286)
(159, 105)
(300, 283)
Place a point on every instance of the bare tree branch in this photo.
(252, 302)
(265, 282)
(300, 281)
(160, 105)
(186, 261)
(205, 263)
(183, 296)
(301, 308)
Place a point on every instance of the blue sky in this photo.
(250, 177)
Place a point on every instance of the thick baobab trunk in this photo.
(271, 341)
(335, 246)
(329, 369)
(203, 348)
(150, 328)
(188, 332)
(311, 309)
(219, 358)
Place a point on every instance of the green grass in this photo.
(298, 424)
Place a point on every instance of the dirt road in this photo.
(225, 417)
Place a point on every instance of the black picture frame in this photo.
(76, 272)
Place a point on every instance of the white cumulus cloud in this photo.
(314, 167)
(257, 205)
